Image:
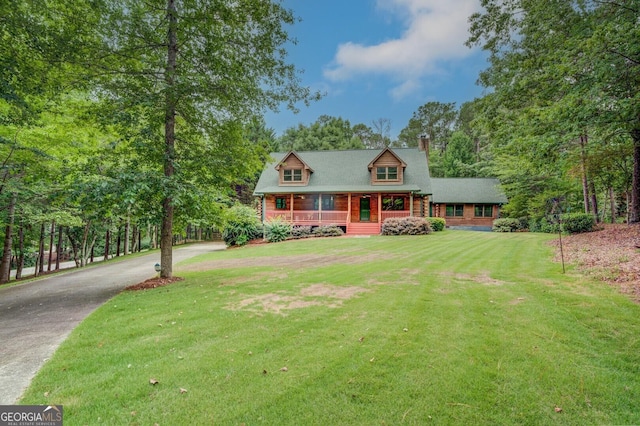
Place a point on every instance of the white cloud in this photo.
(435, 32)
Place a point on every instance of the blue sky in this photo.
(381, 58)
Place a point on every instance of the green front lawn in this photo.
(450, 328)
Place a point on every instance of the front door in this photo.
(365, 209)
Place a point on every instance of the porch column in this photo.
(349, 209)
(411, 204)
(320, 208)
(379, 207)
(291, 207)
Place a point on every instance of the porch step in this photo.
(363, 229)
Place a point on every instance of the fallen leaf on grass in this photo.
(558, 410)
(153, 381)
(183, 390)
(285, 369)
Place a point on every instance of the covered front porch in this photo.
(356, 213)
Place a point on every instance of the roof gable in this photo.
(298, 161)
(386, 153)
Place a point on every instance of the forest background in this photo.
(142, 124)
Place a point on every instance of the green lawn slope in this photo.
(449, 328)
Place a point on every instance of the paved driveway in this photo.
(36, 317)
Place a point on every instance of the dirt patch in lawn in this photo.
(297, 261)
(611, 254)
(483, 278)
(315, 295)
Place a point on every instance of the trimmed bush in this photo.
(437, 223)
(506, 224)
(575, 223)
(406, 226)
(298, 232)
(241, 226)
(277, 230)
(328, 231)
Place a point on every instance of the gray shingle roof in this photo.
(467, 190)
(346, 171)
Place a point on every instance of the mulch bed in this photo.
(153, 283)
(610, 254)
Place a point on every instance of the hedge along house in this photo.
(356, 190)
(467, 202)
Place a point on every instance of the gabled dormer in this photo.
(293, 171)
(387, 169)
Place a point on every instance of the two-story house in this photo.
(358, 189)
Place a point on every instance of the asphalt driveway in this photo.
(36, 317)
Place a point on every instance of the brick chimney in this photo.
(423, 144)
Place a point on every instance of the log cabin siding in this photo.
(468, 217)
(387, 159)
(292, 162)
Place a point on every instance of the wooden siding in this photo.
(293, 163)
(305, 209)
(387, 160)
(468, 218)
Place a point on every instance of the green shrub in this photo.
(548, 226)
(328, 231)
(298, 232)
(406, 226)
(277, 230)
(575, 223)
(543, 225)
(241, 226)
(437, 223)
(507, 224)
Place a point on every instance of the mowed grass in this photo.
(450, 328)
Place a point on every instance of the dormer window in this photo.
(386, 173)
(292, 175)
(387, 168)
(293, 171)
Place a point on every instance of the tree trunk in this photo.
(127, 232)
(59, 246)
(52, 234)
(5, 264)
(594, 201)
(634, 210)
(166, 255)
(585, 184)
(612, 200)
(84, 245)
(134, 239)
(75, 248)
(107, 237)
(40, 268)
(20, 258)
(118, 244)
